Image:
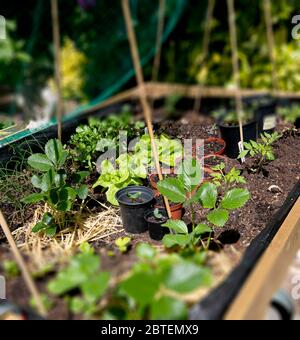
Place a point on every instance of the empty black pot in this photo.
(156, 231)
(266, 117)
(231, 135)
(133, 211)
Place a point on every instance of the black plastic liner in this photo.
(215, 305)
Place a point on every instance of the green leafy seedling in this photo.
(262, 153)
(134, 197)
(157, 214)
(11, 269)
(54, 189)
(123, 244)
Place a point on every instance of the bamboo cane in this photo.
(57, 57)
(235, 65)
(160, 31)
(205, 49)
(142, 91)
(271, 43)
(22, 265)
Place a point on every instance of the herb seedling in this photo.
(55, 191)
(261, 152)
(226, 180)
(134, 197)
(90, 141)
(158, 215)
(123, 244)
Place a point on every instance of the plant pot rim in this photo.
(147, 191)
(175, 207)
(223, 125)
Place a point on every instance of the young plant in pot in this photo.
(290, 114)
(155, 219)
(230, 131)
(260, 152)
(212, 146)
(134, 202)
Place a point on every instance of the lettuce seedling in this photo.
(261, 152)
(54, 188)
(123, 244)
(130, 172)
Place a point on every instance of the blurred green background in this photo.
(96, 57)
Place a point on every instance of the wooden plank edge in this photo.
(254, 298)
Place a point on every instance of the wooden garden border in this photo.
(266, 278)
(157, 90)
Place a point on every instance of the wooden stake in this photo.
(205, 49)
(160, 31)
(271, 43)
(57, 56)
(235, 65)
(22, 265)
(142, 91)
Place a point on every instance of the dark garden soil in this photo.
(268, 192)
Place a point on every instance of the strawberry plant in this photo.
(219, 206)
(154, 287)
(55, 188)
(82, 274)
(262, 152)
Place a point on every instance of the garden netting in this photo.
(96, 59)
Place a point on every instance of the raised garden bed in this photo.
(240, 244)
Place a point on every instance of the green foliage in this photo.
(134, 197)
(47, 303)
(153, 281)
(12, 57)
(290, 114)
(230, 117)
(207, 195)
(91, 140)
(117, 179)
(83, 274)
(6, 124)
(54, 188)
(261, 152)
(169, 150)
(132, 167)
(228, 180)
(157, 214)
(10, 269)
(123, 244)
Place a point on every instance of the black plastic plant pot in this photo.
(231, 135)
(133, 209)
(156, 231)
(297, 123)
(266, 118)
